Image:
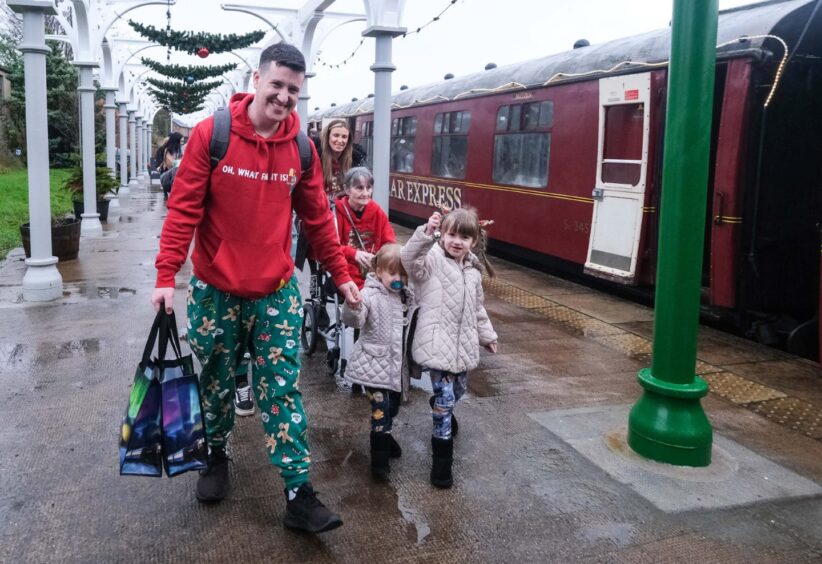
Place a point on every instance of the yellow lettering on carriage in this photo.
(438, 196)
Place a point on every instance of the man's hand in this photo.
(160, 295)
(351, 294)
(433, 223)
(491, 347)
(364, 259)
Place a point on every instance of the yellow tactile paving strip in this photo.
(799, 415)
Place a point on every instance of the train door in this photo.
(619, 192)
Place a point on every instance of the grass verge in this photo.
(14, 204)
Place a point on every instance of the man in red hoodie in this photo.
(243, 288)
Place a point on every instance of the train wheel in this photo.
(308, 335)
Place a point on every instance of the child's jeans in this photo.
(385, 405)
(448, 389)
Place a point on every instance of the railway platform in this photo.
(542, 472)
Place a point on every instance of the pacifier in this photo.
(397, 285)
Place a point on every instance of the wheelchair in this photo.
(319, 325)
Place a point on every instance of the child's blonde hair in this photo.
(462, 221)
(388, 260)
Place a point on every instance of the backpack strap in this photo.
(219, 136)
(222, 131)
(304, 145)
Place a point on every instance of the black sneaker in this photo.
(307, 513)
(212, 486)
(243, 402)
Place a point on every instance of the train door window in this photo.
(622, 151)
(450, 154)
(367, 142)
(522, 144)
(403, 135)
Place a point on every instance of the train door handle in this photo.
(598, 194)
(720, 197)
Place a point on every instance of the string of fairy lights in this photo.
(322, 63)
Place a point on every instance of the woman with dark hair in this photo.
(173, 150)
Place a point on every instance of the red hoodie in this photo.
(373, 227)
(242, 216)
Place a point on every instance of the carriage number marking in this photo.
(576, 226)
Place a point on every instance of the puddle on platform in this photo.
(79, 347)
(413, 518)
(619, 534)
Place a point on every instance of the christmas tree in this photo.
(185, 93)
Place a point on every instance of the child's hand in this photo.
(491, 347)
(433, 223)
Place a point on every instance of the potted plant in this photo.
(65, 237)
(65, 228)
(105, 184)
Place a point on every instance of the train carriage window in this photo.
(450, 153)
(367, 142)
(502, 118)
(530, 117)
(546, 114)
(522, 144)
(516, 117)
(402, 144)
(622, 151)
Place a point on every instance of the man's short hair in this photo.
(283, 55)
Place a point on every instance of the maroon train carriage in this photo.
(565, 154)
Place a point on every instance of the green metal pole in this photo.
(668, 423)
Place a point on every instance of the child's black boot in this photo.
(394, 447)
(443, 457)
(380, 451)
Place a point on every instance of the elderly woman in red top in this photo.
(361, 223)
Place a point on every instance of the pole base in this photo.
(124, 190)
(90, 225)
(668, 423)
(42, 281)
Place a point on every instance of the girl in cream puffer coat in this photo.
(379, 361)
(452, 321)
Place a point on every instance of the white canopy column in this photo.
(111, 141)
(42, 281)
(124, 189)
(132, 151)
(383, 25)
(90, 225)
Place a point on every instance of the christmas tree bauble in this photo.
(190, 79)
(202, 52)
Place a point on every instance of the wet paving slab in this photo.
(521, 493)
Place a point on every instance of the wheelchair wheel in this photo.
(308, 335)
(332, 361)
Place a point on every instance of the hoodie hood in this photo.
(241, 123)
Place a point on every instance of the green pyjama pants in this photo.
(219, 327)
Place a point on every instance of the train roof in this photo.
(620, 56)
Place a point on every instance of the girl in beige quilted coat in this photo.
(452, 320)
(379, 361)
